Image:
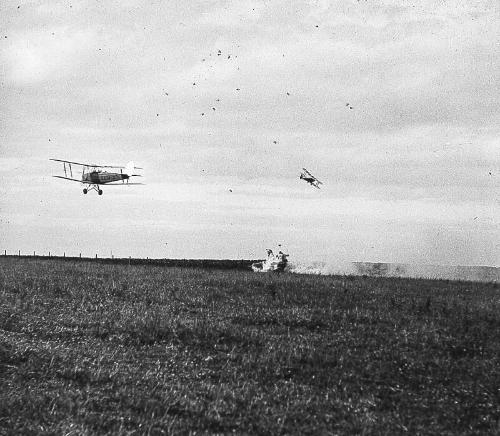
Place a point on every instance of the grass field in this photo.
(89, 348)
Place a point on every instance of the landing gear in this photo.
(93, 187)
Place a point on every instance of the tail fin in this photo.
(129, 169)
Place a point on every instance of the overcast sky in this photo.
(394, 105)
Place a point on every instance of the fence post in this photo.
(5, 252)
(34, 254)
(80, 255)
(19, 253)
(49, 253)
(96, 256)
(64, 254)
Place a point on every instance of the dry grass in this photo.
(89, 348)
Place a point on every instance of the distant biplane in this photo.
(94, 175)
(309, 178)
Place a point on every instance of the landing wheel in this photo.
(85, 191)
(99, 192)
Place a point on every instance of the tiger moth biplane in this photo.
(93, 176)
(309, 178)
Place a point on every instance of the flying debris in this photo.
(94, 175)
(309, 178)
(275, 142)
(274, 262)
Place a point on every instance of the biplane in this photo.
(309, 178)
(93, 176)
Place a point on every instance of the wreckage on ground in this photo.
(273, 263)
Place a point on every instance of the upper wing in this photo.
(314, 177)
(67, 178)
(75, 163)
(91, 165)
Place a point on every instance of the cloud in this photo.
(38, 56)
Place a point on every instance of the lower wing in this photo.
(67, 178)
(120, 184)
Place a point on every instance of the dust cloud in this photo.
(445, 272)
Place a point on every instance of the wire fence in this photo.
(240, 264)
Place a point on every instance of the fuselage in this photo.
(103, 177)
(307, 179)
